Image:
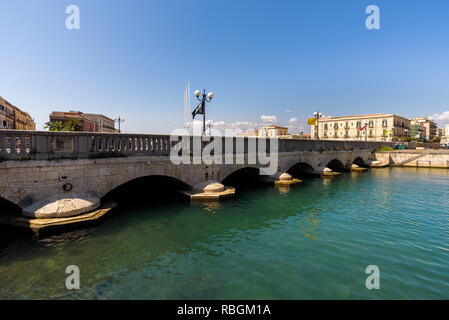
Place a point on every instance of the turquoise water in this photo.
(313, 242)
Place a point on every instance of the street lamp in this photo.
(119, 120)
(317, 116)
(201, 108)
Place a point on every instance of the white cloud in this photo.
(288, 111)
(293, 120)
(270, 119)
(441, 117)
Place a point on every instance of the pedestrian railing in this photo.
(48, 145)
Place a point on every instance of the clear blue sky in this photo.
(134, 58)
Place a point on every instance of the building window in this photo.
(371, 133)
(384, 123)
(359, 125)
(325, 126)
(335, 125)
(371, 124)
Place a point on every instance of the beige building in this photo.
(445, 137)
(248, 133)
(378, 127)
(13, 118)
(105, 124)
(272, 131)
(429, 125)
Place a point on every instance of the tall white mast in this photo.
(187, 106)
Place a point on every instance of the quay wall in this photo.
(415, 158)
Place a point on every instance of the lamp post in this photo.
(119, 120)
(201, 108)
(317, 116)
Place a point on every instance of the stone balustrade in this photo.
(49, 145)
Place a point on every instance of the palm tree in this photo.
(72, 125)
(54, 126)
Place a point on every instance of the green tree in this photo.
(54, 126)
(72, 125)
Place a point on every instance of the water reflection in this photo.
(321, 233)
(310, 223)
(283, 189)
(211, 206)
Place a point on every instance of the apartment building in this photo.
(12, 118)
(417, 130)
(105, 124)
(429, 125)
(369, 127)
(83, 123)
(88, 122)
(272, 131)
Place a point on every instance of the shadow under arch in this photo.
(9, 208)
(300, 169)
(360, 162)
(153, 188)
(243, 176)
(336, 165)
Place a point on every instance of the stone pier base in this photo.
(328, 173)
(356, 168)
(210, 191)
(378, 164)
(286, 179)
(36, 225)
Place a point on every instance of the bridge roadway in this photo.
(38, 169)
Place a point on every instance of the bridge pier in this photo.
(356, 168)
(61, 207)
(285, 179)
(210, 191)
(329, 173)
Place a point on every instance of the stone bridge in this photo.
(39, 168)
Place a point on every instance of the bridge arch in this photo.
(360, 162)
(300, 168)
(336, 165)
(8, 207)
(142, 188)
(250, 174)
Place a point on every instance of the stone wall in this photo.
(424, 158)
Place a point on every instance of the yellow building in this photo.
(369, 127)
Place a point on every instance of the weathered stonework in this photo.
(26, 182)
(415, 158)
